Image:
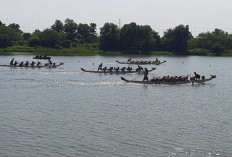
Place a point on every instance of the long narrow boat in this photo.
(35, 66)
(41, 57)
(116, 72)
(201, 81)
(141, 62)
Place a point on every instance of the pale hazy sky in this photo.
(200, 15)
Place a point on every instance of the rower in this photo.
(26, 64)
(21, 64)
(139, 68)
(197, 76)
(129, 60)
(145, 73)
(12, 61)
(110, 69)
(15, 63)
(32, 63)
(123, 69)
(99, 67)
(116, 69)
(104, 69)
(38, 63)
(53, 64)
(50, 62)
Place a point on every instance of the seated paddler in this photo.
(12, 62)
(15, 63)
(100, 67)
(38, 63)
(26, 64)
(21, 64)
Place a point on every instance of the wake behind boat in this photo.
(113, 71)
(171, 81)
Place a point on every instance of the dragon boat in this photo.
(35, 66)
(171, 82)
(41, 57)
(115, 72)
(142, 62)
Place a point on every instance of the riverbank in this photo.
(88, 51)
(78, 51)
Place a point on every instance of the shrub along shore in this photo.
(89, 51)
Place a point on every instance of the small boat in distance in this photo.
(172, 82)
(115, 72)
(41, 57)
(141, 62)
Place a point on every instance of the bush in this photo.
(198, 51)
(87, 46)
(58, 47)
(66, 43)
(94, 46)
(217, 49)
(73, 44)
(34, 41)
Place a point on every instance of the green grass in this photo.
(227, 53)
(82, 50)
(50, 51)
(166, 53)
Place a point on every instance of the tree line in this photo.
(131, 38)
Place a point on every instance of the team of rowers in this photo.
(117, 69)
(143, 62)
(174, 78)
(26, 64)
(41, 56)
(170, 78)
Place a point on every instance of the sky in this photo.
(200, 15)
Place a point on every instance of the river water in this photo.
(66, 112)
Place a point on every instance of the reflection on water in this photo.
(67, 112)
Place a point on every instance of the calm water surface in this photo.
(66, 112)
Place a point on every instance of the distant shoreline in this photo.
(82, 51)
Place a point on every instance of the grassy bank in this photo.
(78, 51)
(86, 51)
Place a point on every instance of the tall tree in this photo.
(208, 39)
(8, 36)
(83, 32)
(109, 37)
(138, 38)
(176, 40)
(129, 37)
(93, 32)
(58, 26)
(16, 27)
(49, 38)
(70, 28)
